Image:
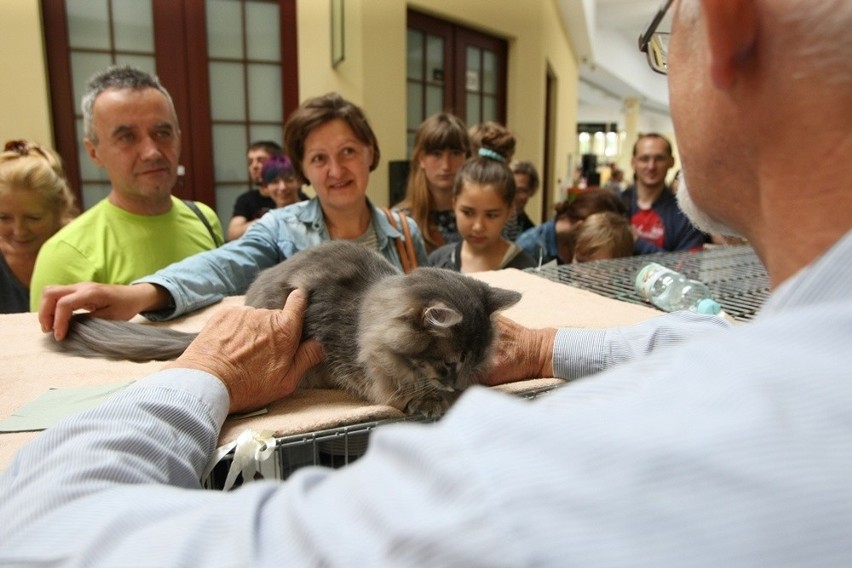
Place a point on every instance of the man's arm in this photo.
(570, 353)
(241, 217)
(155, 436)
(681, 234)
(237, 226)
(581, 352)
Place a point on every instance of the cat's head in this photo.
(437, 324)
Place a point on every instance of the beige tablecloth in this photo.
(28, 368)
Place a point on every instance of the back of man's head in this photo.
(117, 77)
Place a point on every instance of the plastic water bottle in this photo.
(672, 291)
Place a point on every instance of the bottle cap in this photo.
(708, 306)
(642, 283)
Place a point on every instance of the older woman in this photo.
(35, 202)
(333, 147)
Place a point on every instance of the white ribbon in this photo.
(253, 452)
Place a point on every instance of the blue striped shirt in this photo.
(732, 447)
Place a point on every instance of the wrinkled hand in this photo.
(520, 353)
(107, 301)
(255, 353)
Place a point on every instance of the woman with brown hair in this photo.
(35, 202)
(441, 146)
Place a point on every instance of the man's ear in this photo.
(731, 35)
(92, 151)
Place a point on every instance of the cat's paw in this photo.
(432, 405)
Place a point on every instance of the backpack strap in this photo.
(191, 204)
(404, 247)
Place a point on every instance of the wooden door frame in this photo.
(456, 37)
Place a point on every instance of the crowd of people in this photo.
(684, 440)
(466, 198)
(463, 217)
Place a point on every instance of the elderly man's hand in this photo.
(520, 353)
(256, 353)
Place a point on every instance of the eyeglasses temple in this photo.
(645, 38)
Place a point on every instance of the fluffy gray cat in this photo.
(412, 341)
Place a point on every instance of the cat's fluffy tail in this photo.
(95, 337)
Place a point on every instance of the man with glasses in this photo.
(729, 448)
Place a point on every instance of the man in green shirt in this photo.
(131, 131)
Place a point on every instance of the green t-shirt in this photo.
(110, 245)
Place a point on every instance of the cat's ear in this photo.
(499, 299)
(441, 316)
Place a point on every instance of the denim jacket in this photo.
(540, 242)
(206, 278)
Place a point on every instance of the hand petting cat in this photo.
(256, 353)
(520, 353)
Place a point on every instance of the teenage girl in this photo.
(483, 197)
(441, 146)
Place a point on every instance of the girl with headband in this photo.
(483, 196)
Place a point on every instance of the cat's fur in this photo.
(410, 341)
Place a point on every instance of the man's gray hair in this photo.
(117, 77)
(824, 44)
(819, 30)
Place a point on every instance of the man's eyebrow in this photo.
(165, 125)
(121, 129)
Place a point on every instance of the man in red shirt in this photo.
(657, 221)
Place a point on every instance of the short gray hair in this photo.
(117, 77)
(824, 44)
(820, 30)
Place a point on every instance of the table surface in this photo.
(29, 368)
(736, 277)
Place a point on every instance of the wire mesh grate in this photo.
(736, 277)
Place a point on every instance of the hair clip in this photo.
(491, 154)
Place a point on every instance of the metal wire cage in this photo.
(736, 277)
(335, 448)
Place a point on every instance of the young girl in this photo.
(483, 198)
(441, 145)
